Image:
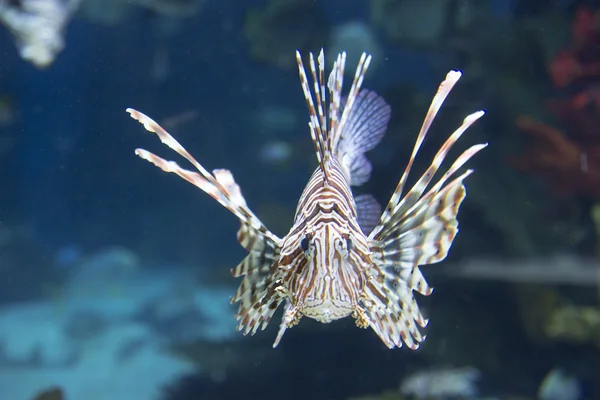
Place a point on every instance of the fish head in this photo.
(324, 283)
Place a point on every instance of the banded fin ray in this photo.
(401, 211)
(368, 211)
(256, 293)
(364, 129)
(335, 84)
(443, 90)
(317, 123)
(326, 133)
(379, 273)
(233, 201)
(417, 230)
(428, 240)
(393, 313)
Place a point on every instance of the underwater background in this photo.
(115, 277)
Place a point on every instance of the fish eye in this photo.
(304, 243)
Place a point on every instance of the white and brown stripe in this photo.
(326, 268)
(333, 271)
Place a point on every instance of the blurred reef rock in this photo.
(111, 320)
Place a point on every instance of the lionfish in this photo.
(343, 256)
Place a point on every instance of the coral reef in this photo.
(570, 160)
(101, 339)
(25, 272)
(559, 385)
(549, 316)
(559, 160)
(575, 324)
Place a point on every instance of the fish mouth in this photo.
(326, 311)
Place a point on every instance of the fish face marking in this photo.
(323, 293)
(326, 268)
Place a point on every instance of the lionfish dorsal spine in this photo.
(317, 123)
(327, 130)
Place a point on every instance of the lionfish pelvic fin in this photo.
(417, 229)
(257, 294)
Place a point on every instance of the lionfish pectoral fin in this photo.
(368, 211)
(257, 291)
(426, 234)
(257, 294)
(221, 186)
(363, 130)
(415, 230)
(393, 314)
(398, 205)
(424, 238)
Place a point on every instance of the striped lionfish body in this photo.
(343, 256)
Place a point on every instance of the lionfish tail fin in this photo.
(415, 230)
(327, 127)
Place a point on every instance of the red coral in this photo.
(570, 161)
(560, 161)
(580, 113)
(582, 60)
(586, 30)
